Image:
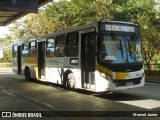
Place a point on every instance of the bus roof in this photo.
(78, 28)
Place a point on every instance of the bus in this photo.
(99, 57)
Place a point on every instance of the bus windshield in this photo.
(119, 49)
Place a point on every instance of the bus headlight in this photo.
(142, 75)
(106, 76)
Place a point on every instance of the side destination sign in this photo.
(115, 27)
(122, 28)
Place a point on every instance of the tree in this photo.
(62, 15)
(6, 48)
(146, 16)
(77, 12)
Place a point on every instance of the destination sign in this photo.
(118, 28)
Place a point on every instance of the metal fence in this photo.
(152, 66)
(5, 64)
(154, 70)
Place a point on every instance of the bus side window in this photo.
(60, 42)
(33, 45)
(25, 50)
(72, 45)
(15, 48)
(32, 49)
(50, 51)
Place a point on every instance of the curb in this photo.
(153, 81)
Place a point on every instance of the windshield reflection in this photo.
(120, 49)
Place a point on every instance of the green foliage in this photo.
(77, 12)
(5, 46)
(62, 15)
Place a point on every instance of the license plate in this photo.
(129, 83)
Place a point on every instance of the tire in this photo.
(27, 75)
(71, 81)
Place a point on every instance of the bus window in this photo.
(14, 54)
(15, 48)
(25, 46)
(25, 50)
(33, 45)
(72, 45)
(50, 51)
(60, 46)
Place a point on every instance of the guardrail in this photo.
(153, 66)
(5, 64)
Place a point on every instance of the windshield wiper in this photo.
(120, 45)
(129, 46)
(121, 48)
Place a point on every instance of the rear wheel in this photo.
(71, 81)
(27, 75)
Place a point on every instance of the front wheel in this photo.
(27, 75)
(71, 81)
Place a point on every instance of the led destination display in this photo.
(118, 28)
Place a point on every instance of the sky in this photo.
(3, 31)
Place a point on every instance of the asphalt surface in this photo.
(16, 94)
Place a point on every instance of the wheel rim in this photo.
(71, 81)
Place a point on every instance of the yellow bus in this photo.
(103, 56)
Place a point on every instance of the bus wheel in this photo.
(71, 81)
(27, 74)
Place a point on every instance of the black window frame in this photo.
(25, 46)
(54, 46)
(25, 50)
(34, 46)
(71, 52)
(14, 51)
(57, 50)
(14, 48)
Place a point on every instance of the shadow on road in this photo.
(119, 96)
(116, 96)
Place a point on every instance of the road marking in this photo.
(51, 93)
(8, 93)
(35, 100)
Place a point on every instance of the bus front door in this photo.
(88, 41)
(41, 59)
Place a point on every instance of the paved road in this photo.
(16, 94)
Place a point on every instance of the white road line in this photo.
(43, 103)
(8, 93)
